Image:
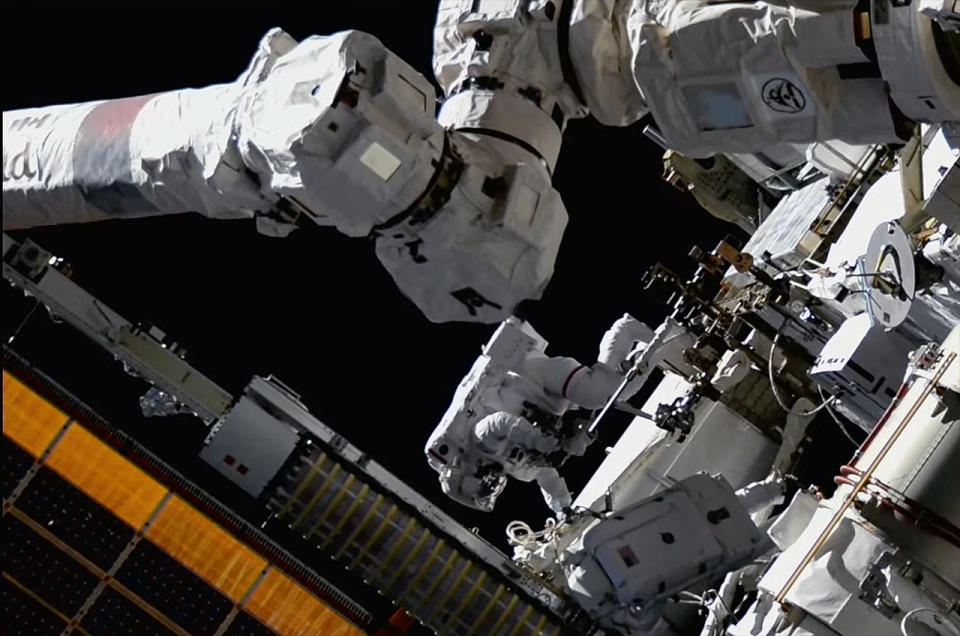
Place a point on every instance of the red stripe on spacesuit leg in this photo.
(566, 382)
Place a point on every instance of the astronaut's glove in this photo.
(785, 480)
(791, 482)
(634, 354)
(622, 337)
(578, 443)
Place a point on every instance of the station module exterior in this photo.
(827, 130)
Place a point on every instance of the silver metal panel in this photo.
(249, 446)
(781, 232)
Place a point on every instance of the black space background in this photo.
(316, 309)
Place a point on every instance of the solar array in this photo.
(95, 544)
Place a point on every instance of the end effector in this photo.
(466, 230)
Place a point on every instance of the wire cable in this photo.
(520, 534)
(776, 392)
(840, 425)
(865, 288)
(23, 323)
(710, 601)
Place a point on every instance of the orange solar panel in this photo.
(179, 529)
(106, 476)
(285, 607)
(205, 548)
(27, 418)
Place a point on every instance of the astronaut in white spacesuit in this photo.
(525, 430)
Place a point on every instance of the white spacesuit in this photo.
(341, 131)
(508, 419)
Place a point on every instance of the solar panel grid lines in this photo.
(398, 553)
(38, 565)
(86, 586)
(74, 518)
(109, 577)
(22, 608)
(235, 616)
(147, 461)
(174, 590)
(48, 549)
(14, 464)
(114, 613)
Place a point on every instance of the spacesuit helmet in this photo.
(473, 485)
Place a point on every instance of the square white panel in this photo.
(383, 162)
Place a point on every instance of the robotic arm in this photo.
(734, 77)
(335, 129)
(339, 130)
(790, 72)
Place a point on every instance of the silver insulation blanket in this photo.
(133, 157)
